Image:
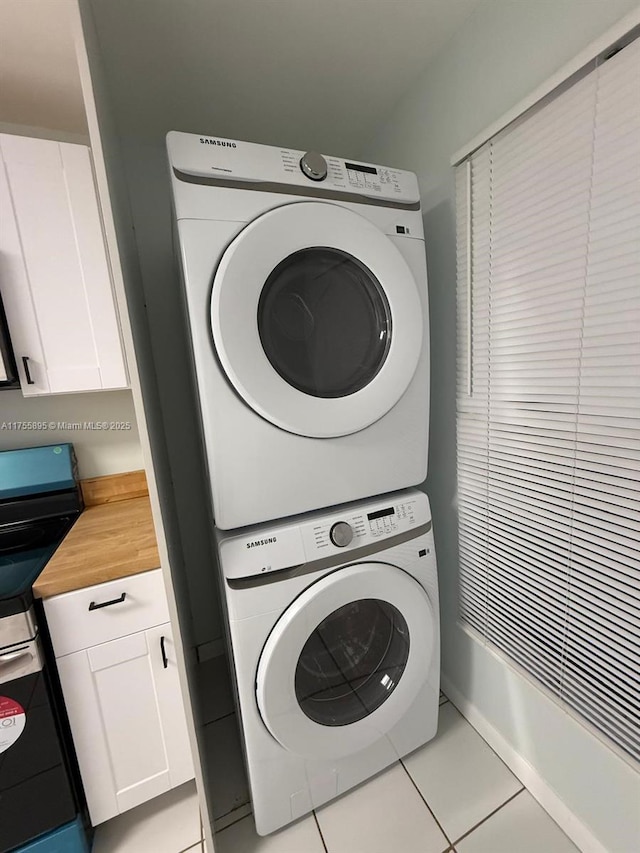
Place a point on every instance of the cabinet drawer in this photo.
(97, 614)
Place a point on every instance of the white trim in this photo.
(557, 700)
(580, 834)
(589, 54)
(469, 236)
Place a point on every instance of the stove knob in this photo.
(314, 166)
(341, 534)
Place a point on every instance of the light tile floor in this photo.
(166, 824)
(454, 795)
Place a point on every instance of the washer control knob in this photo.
(314, 166)
(341, 534)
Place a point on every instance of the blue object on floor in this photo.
(70, 838)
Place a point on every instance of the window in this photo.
(549, 395)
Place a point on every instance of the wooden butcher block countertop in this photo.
(113, 538)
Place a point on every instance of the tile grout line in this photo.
(453, 705)
(491, 814)
(191, 846)
(429, 809)
(233, 822)
(315, 817)
(217, 719)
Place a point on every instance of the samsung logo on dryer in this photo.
(204, 140)
(258, 542)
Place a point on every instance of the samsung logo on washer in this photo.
(258, 542)
(205, 141)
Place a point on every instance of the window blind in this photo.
(548, 219)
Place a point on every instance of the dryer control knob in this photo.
(314, 166)
(341, 534)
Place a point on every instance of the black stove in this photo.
(40, 499)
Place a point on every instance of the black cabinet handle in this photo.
(94, 606)
(165, 659)
(25, 364)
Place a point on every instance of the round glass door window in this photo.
(324, 322)
(352, 662)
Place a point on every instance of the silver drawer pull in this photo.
(12, 656)
(94, 606)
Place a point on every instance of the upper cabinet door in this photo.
(17, 299)
(54, 272)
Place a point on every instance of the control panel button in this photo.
(341, 534)
(314, 166)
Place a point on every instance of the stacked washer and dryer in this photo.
(305, 287)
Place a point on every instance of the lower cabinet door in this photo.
(127, 719)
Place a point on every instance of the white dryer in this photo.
(306, 294)
(334, 636)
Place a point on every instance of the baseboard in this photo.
(580, 834)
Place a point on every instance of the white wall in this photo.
(40, 80)
(502, 52)
(99, 452)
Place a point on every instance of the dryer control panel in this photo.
(274, 168)
(373, 525)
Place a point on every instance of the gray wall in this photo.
(502, 53)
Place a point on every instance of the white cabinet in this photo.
(54, 273)
(123, 699)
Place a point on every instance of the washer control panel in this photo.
(360, 527)
(316, 535)
(391, 518)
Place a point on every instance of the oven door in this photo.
(35, 791)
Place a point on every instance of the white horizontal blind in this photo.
(549, 395)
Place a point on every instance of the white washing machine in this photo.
(334, 636)
(306, 295)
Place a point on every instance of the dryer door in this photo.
(346, 660)
(316, 319)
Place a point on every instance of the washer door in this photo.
(346, 660)
(316, 319)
